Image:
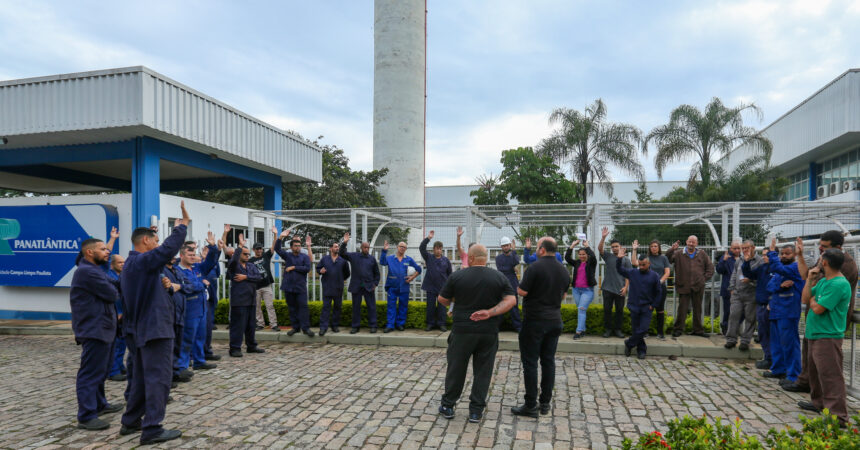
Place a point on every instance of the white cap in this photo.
(505, 240)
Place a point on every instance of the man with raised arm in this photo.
(148, 325)
(693, 268)
(614, 286)
(480, 295)
(265, 296)
(362, 283)
(295, 283)
(785, 288)
(243, 291)
(743, 293)
(194, 333)
(92, 297)
(333, 270)
(397, 285)
(507, 262)
(438, 270)
(726, 267)
(644, 296)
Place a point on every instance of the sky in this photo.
(495, 69)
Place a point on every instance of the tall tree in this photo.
(534, 179)
(489, 191)
(705, 137)
(589, 146)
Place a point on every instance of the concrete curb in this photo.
(685, 346)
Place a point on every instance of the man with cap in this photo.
(243, 290)
(295, 284)
(362, 283)
(397, 284)
(92, 297)
(265, 294)
(333, 270)
(148, 325)
(507, 262)
(438, 270)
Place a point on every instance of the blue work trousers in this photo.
(297, 304)
(398, 306)
(640, 320)
(785, 353)
(369, 299)
(436, 312)
(194, 334)
(118, 365)
(96, 359)
(762, 316)
(329, 318)
(150, 376)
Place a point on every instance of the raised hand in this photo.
(114, 233)
(220, 244)
(241, 239)
(621, 252)
(529, 243)
(604, 232)
(773, 244)
(185, 220)
(726, 255)
(431, 234)
(798, 246)
(308, 240)
(460, 231)
(385, 245)
(676, 245)
(635, 245)
(585, 243)
(210, 238)
(573, 244)
(274, 230)
(285, 233)
(346, 237)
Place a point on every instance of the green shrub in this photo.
(416, 316)
(690, 433)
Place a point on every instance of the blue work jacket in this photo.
(438, 269)
(507, 264)
(148, 310)
(242, 293)
(757, 270)
(295, 280)
(195, 275)
(336, 271)
(726, 267)
(397, 270)
(365, 271)
(529, 257)
(784, 302)
(115, 278)
(178, 296)
(644, 288)
(92, 297)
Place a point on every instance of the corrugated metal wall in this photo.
(138, 96)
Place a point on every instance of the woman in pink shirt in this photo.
(583, 281)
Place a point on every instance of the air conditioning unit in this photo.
(835, 188)
(850, 185)
(822, 192)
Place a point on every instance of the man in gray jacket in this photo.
(743, 300)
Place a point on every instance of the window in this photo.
(233, 235)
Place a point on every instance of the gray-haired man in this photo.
(742, 300)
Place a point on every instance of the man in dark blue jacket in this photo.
(212, 303)
(333, 271)
(755, 267)
(643, 296)
(438, 270)
(117, 370)
(243, 293)
(148, 325)
(295, 284)
(362, 283)
(92, 298)
(507, 262)
(785, 288)
(177, 289)
(726, 267)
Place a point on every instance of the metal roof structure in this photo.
(117, 105)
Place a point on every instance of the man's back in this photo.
(473, 289)
(546, 282)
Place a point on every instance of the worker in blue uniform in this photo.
(244, 277)
(438, 270)
(362, 283)
(529, 257)
(333, 271)
(726, 267)
(643, 296)
(177, 287)
(397, 285)
(118, 370)
(507, 262)
(211, 281)
(194, 333)
(294, 283)
(92, 298)
(785, 288)
(148, 326)
(756, 268)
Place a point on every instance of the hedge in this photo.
(820, 432)
(416, 316)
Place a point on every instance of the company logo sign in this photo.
(9, 229)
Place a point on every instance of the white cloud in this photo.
(354, 136)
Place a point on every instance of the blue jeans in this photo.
(583, 298)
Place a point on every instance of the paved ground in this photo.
(334, 396)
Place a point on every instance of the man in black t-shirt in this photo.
(543, 287)
(265, 294)
(480, 295)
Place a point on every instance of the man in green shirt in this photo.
(828, 299)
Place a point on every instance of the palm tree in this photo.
(706, 137)
(588, 145)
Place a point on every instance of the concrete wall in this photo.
(398, 98)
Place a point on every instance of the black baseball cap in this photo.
(257, 245)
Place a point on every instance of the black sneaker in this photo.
(309, 333)
(661, 336)
(794, 387)
(443, 328)
(276, 328)
(607, 333)
(212, 357)
(544, 408)
(577, 336)
(260, 327)
(802, 404)
(619, 334)
(131, 429)
(118, 377)
(205, 366)
(763, 364)
(387, 330)
(353, 330)
(256, 350)
(236, 353)
(526, 411)
(475, 417)
(292, 331)
(446, 412)
(182, 377)
(166, 435)
(676, 334)
(744, 347)
(641, 356)
(322, 331)
(428, 328)
(94, 424)
(627, 350)
(400, 328)
(730, 345)
(372, 330)
(112, 408)
(770, 374)
(335, 329)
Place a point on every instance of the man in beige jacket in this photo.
(693, 268)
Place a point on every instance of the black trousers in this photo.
(515, 316)
(538, 342)
(177, 347)
(149, 384)
(640, 320)
(243, 322)
(613, 321)
(436, 312)
(96, 361)
(327, 316)
(481, 349)
(370, 299)
(297, 304)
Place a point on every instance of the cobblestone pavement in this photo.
(337, 396)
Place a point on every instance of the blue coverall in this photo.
(397, 287)
(784, 317)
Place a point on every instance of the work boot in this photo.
(166, 435)
(94, 424)
(524, 410)
(353, 330)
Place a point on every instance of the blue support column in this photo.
(813, 182)
(272, 201)
(145, 185)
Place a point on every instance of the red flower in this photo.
(657, 433)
